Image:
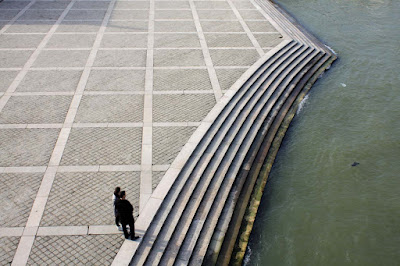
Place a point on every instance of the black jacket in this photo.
(124, 209)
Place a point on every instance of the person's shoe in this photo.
(134, 237)
(120, 228)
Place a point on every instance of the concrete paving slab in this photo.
(234, 57)
(221, 26)
(91, 5)
(26, 147)
(8, 14)
(127, 26)
(116, 80)
(212, 5)
(70, 198)
(6, 77)
(62, 230)
(9, 246)
(19, 190)
(61, 58)
(81, 26)
(132, 5)
(182, 57)
(174, 26)
(129, 15)
(11, 231)
(227, 77)
(216, 14)
(110, 108)
(173, 14)
(156, 178)
(172, 5)
(124, 41)
(251, 15)
(103, 229)
(269, 40)
(168, 141)
(93, 249)
(35, 109)
(50, 81)
(30, 27)
(13, 4)
(175, 40)
(85, 15)
(119, 58)
(260, 26)
(181, 79)
(182, 108)
(228, 40)
(71, 41)
(50, 5)
(243, 5)
(41, 15)
(20, 41)
(103, 146)
(9, 59)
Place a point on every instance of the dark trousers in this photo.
(131, 223)
(117, 220)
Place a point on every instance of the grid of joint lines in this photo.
(96, 94)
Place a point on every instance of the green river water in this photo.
(317, 208)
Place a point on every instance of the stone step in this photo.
(290, 25)
(216, 174)
(218, 201)
(186, 226)
(227, 229)
(153, 230)
(206, 163)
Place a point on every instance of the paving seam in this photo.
(25, 244)
(27, 240)
(9, 23)
(253, 40)
(270, 20)
(206, 53)
(104, 125)
(147, 134)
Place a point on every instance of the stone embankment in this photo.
(195, 214)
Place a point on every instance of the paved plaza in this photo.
(99, 94)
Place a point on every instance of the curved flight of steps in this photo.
(195, 219)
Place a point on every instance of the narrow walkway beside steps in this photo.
(166, 99)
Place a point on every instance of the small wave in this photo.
(246, 259)
(301, 105)
(330, 48)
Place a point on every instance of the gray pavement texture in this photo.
(104, 93)
(8, 247)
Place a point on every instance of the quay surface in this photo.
(171, 100)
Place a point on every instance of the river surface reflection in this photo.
(317, 208)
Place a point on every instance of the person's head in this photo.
(117, 190)
(122, 194)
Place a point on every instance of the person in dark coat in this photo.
(125, 210)
(115, 198)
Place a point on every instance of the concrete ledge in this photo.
(62, 230)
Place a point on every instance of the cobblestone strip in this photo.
(147, 137)
(206, 53)
(16, 17)
(253, 40)
(28, 237)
